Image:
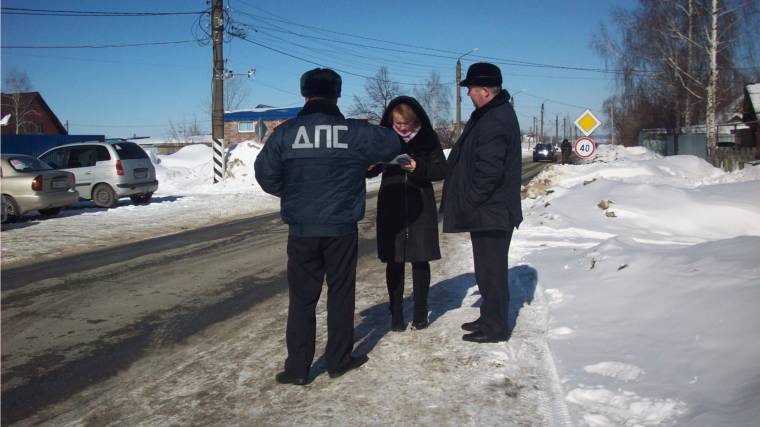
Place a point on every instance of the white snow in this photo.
(644, 313)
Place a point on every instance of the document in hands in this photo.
(401, 158)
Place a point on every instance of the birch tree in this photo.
(435, 98)
(15, 83)
(686, 49)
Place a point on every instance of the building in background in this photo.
(29, 115)
(255, 123)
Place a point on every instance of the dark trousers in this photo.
(310, 259)
(490, 250)
(394, 278)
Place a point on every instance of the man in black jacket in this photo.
(566, 149)
(481, 195)
(316, 163)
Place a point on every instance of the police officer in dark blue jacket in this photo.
(317, 163)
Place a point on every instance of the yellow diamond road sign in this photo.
(587, 122)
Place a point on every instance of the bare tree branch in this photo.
(379, 91)
(236, 93)
(15, 83)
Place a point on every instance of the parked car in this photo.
(544, 151)
(29, 184)
(2, 198)
(107, 171)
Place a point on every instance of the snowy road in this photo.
(224, 374)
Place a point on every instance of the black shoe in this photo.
(284, 378)
(420, 325)
(420, 322)
(480, 337)
(354, 363)
(420, 319)
(472, 326)
(397, 323)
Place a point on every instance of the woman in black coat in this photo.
(407, 219)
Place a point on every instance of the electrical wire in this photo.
(89, 14)
(100, 46)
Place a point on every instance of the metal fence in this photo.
(730, 159)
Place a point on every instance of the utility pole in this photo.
(542, 122)
(612, 125)
(459, 94)
(459, 100)
(556, 128)
(217, 109)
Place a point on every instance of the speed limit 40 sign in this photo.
(584, 148)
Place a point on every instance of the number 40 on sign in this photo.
(584, 148)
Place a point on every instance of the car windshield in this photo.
(28, 164)
(130, 150)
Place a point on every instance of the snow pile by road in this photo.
(650, 268)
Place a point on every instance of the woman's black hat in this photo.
(482, 74)
(321, 83)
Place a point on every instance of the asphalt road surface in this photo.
(72, 322)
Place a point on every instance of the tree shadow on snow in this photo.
(444, 296)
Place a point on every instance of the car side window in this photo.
(54, 158)
(102, 154)
(81, 157)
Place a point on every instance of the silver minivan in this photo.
(106, 171)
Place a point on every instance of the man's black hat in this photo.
(482, 74)
(321, 83)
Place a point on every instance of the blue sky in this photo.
(137, 90)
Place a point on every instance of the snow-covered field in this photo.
(639, 278)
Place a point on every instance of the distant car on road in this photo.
(107, 171)
(29, 184)
(544, 151)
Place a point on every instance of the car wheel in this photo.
(141, 199)
(11, 208)
(104, 196)
(51, 211)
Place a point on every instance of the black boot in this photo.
(397, 321)
(421, 284)
(420, 318)
(394, 276)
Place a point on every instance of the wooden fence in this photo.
(730, 159)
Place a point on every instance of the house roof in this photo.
(261, 114)
(753, 91)
(28, 97)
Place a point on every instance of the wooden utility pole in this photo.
(556, 128)
(459, 100)
(542, 122)
(612, 125)
(217, 109)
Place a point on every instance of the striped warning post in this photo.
(219, 160)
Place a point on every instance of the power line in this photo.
(395, 49)
(89, 14)
(100, 46)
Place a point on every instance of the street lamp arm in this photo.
(474, 50)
